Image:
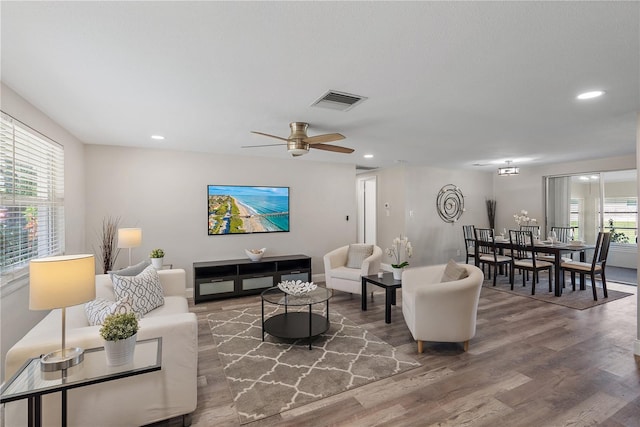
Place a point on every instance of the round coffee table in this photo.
(296, 324)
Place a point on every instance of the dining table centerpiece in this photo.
(523, 218)
(399, 251)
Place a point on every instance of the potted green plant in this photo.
(119, 332)
(157, 257)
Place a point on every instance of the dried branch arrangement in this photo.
(491, 212)
(108, 252)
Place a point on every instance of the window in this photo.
(31, 198)
(593, 202)
(576, 218)
(620, 218)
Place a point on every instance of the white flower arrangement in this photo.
(400, 245)
(523, 218)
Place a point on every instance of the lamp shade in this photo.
(61, 281)
(129, 237)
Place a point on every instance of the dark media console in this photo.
(237, 277)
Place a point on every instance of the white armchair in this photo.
(441, 311)
(339, 276)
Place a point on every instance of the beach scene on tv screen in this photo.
(242, 209)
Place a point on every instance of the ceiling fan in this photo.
(298, 143)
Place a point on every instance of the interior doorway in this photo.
(367, 202)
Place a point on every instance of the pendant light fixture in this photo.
(508, 170)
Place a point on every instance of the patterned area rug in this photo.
(577, 299)
(270, 377)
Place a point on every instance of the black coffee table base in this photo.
(296, 325)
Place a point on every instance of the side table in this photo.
(389, 284)
(31, 383)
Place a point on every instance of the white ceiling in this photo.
(449, 84)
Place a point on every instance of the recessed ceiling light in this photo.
(591, 94)
(368, 156)
(158, 137)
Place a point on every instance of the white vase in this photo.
(120, 352)
(397, 273)
(157, 263)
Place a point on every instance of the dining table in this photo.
(544, 247)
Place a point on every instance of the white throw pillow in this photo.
(98, 309)
(357, 253)
(143, 290)
(453, 272)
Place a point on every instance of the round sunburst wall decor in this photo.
(450, 203)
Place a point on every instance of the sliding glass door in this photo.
(591, 202)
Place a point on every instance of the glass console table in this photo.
(296, 324)
(31, 383)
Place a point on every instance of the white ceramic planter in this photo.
(157, 263)
(120, 352)
(397, 273)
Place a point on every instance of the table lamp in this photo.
(60, 282)
(129, 238)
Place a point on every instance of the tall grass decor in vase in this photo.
(108, 253)
(491, 213)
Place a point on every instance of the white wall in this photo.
(435, 241)
(390, 186)
(165, 193)
(15, 317)
(410, 189)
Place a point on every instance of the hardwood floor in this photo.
(531, 363)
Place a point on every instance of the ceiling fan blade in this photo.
(263, 145)
(327, 137)
(333, 148)
(270, 136)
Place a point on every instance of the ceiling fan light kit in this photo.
(298, 143)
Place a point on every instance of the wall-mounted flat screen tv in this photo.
(239, 209)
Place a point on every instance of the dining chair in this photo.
(564, 234)
(534, 229)
(523, 258)
(469, 241)
(596, 266)
(487, 254)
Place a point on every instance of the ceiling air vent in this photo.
(338, 101)
(365, 168)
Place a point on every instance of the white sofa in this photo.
(131, 401)
(441, 311)
(339, 276)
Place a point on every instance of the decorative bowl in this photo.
(297, 287)
(576, 243)
(255, 254)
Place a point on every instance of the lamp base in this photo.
(61, 359)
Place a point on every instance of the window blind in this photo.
(31, 197)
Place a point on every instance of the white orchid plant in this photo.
(401, 246)
(523, 218)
